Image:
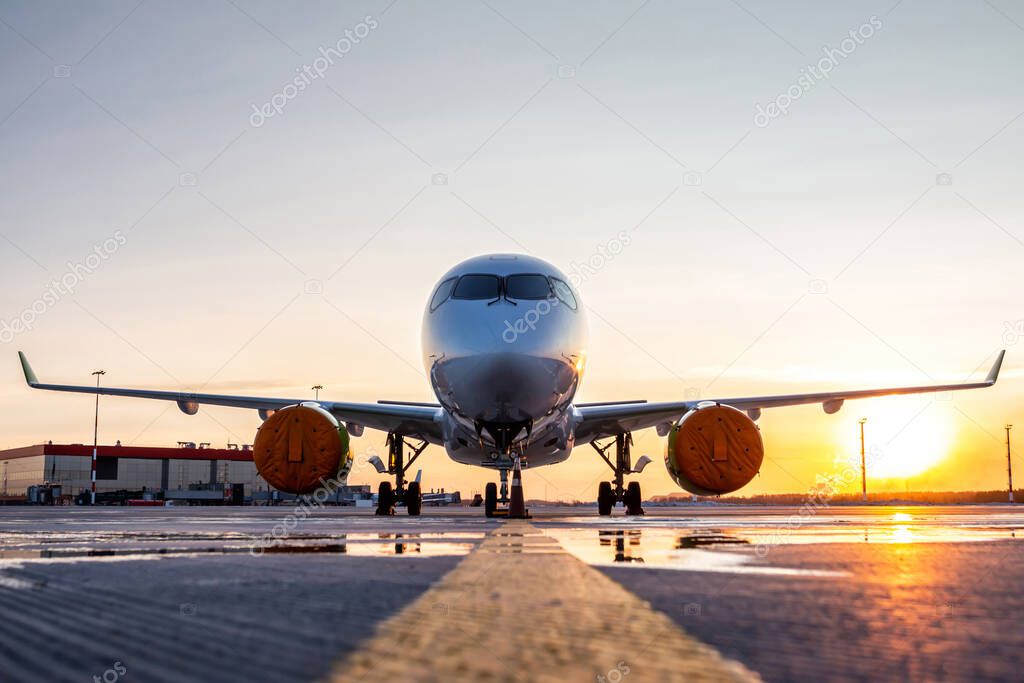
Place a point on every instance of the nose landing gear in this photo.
(492, 499)
(611, 492)
(514, 507)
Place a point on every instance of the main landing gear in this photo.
(411, 495)
(611, 492)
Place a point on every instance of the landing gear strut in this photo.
(411, 495)
(503, 498)
(608, 493)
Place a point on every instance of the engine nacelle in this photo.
(298, 446)
(713, 450)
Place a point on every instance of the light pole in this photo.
(317, 388)
(863, 468)
(1009, 467)
(95, 435)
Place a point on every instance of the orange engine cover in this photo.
(298, 446)
(714, 450)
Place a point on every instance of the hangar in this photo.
(188, 473)
(187, 467)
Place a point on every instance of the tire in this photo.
(605, 498)
(385, 499)
(633, 499)
(413, 499)
(490, 499)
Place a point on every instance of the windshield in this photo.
(527, 287)
(477, 287)
(564, 293)
(441, 295)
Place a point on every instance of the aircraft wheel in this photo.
(490, 499)
(633, 498)
(385, 499)
(413, 499)
(605, 498)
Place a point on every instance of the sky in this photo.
(800, 196)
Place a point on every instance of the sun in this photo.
(903, 436)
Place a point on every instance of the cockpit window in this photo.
(527, 287)
(564, 293)
(478, 287)
(442, 293)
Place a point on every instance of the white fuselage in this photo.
(504, 345)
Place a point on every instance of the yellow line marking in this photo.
(519, 608)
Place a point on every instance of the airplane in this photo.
(504, 339)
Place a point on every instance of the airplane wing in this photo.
(421, 421)
(599, 420)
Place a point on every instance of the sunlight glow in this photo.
(904, 437)
(902, 534)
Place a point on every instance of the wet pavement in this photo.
(920, 593)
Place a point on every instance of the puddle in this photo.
(669, 549)
(418, 549)
(364, 549)
(17, 548)
(728, 544)
(885, 534)
(767, 530)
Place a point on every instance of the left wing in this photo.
(595, 421)
(420, 421)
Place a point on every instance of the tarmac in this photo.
(685, 593)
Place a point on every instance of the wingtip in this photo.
(993, 374)
(30, 375)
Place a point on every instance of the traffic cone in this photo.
(517, 504)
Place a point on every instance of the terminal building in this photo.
(188, 473)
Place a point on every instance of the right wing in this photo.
(601, 420)
(420, 421)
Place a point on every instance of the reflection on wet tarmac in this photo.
(880, 526)
(669, 549)
(627, 542)
(432, 549)
(697, 545)
(710, 538)
(618, 538)
(19, 547)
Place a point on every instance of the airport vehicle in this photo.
(504, 340)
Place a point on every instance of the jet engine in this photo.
(299, 447)
(714, 449)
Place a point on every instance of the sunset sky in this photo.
(870, 236)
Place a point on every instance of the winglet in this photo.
(30, 376)
(993, 374)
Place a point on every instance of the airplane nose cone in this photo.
(504, 386)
